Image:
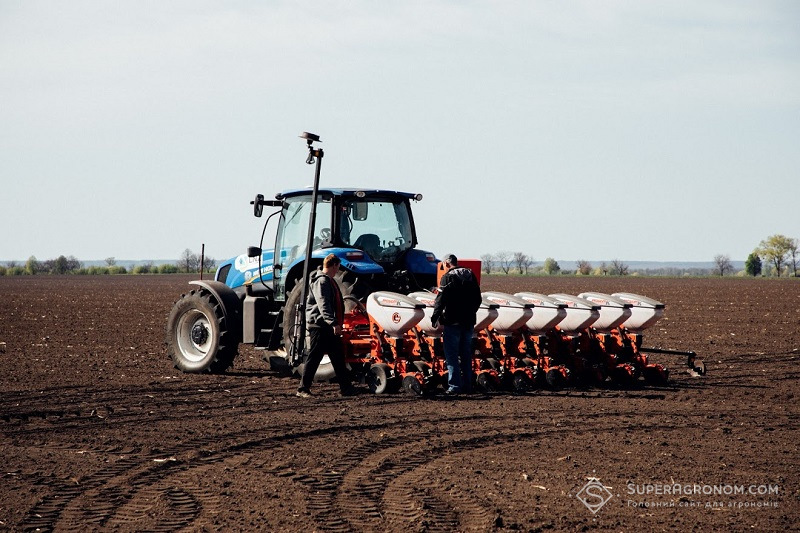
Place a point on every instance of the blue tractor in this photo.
(254, 297)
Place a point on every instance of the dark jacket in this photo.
(459, 298)
(325, 304)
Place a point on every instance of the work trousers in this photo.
(323, 341)
(457, 345)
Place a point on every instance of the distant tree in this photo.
(189, 262)
(210, 264)
(32, 266)
(527, 264)
(111, 261)
(753, 264)
(618, 268)
(584, 267)
(520, 259)
(167, 269)
(73, 264)
(551, 266)
(145, 268)
(775, 250)
(722, 264)
(793, 255)
(486, 262)
(504, 259)
(59, 265)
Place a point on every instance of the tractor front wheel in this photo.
(198, 339)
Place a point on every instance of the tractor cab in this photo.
(372, 232)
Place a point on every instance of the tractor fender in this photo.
(231, 304)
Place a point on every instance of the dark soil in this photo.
(98, 431)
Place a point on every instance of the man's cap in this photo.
(450, 258)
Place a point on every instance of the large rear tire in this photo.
(198, 338)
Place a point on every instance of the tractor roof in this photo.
(348, 192)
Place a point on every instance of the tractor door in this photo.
(290, 242)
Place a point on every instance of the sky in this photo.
(595, 130)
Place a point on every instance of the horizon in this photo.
(561, 262)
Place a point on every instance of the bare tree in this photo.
(528, 263)
(111, 261)
(618, 268)
(722, 264)
(189, 262)
(504, 259)
(520, 259)
(793, 243)
(73, 263)
(584, 267)
(486, 263)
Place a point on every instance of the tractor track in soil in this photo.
(98, 432)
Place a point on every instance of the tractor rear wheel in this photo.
(198, 337)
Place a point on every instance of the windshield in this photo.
(293, 233)
(382, 228)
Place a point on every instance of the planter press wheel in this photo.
(379, 379)
(486, 382)
(555, 379)
(522, 382)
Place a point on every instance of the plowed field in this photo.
(99, 432)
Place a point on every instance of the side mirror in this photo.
(258, 205)
(253, 251)
(360, 210)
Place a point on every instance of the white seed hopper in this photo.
(613, 311)
(395, 313)
(547, 312)
(580, 313)
(486, 314)
(512, 312)
(427, 298)
(644, 311)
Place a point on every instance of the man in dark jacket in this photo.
(455, 307)
(324, 319)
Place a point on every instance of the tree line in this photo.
(189, 262)
(507, 262)
(774, 256)
(777, 255)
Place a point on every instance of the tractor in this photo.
(254, 297)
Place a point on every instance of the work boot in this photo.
(303, 393)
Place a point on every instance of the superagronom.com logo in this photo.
(594, 495)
